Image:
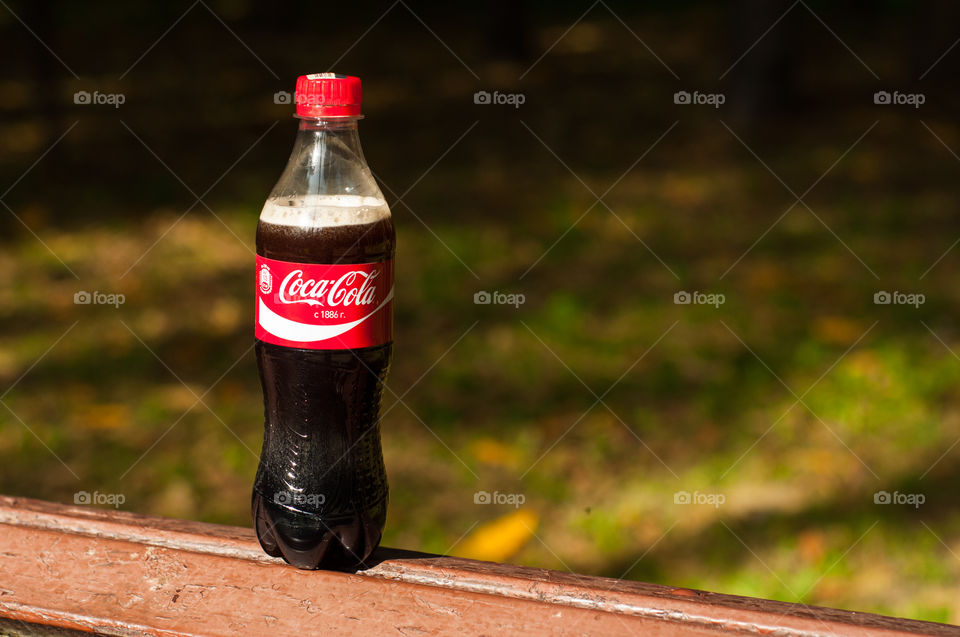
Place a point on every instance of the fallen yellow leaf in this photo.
(104, 416)
(499, 539)
(493, 452)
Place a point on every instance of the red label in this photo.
(322, 306)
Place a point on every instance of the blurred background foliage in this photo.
(599, 399)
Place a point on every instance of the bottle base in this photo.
(307, 541)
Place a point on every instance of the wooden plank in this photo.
(121, 573)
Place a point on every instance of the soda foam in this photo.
(324, 211)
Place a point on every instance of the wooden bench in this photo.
(117, 573)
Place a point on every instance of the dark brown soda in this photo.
(320, 495)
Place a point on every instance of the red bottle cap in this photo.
(328, 95)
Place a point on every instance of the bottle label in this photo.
(324, 306)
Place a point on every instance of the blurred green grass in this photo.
(701, 399)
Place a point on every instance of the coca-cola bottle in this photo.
(324, 317)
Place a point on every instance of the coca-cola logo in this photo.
(324, 305)
(351, 288)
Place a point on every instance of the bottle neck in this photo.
(333, 124)
(322, 138)
(326, 160)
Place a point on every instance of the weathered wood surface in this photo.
(126, 574)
